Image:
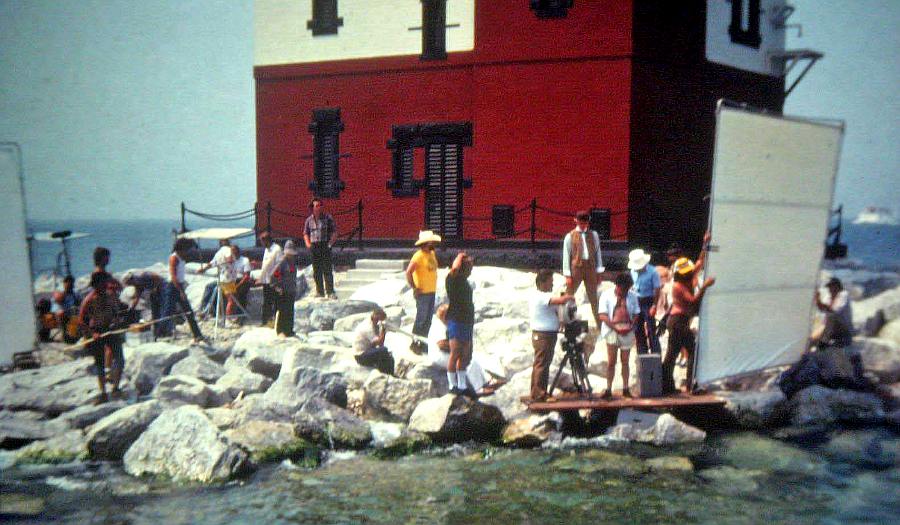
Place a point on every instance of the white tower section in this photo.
(369, 28)
(752, 44)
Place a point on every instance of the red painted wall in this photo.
(549, 101)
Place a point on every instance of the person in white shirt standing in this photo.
(619, 310)
(270, 261)
(582, 260)
(544, 330)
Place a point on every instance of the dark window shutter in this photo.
(326, 128)
(748, 37)
(434, 29)
(325, 20)
(551, 8)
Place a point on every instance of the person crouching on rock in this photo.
(460, 324)
(284, 280)
(685, 304)
(544, 330)
(369, 343)
(100, 313)
(619, 311)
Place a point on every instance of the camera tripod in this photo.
(574, 358)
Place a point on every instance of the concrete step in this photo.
(371, 275)
(354, 283)
(396, 265)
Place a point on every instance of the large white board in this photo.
(17, 323)
(773, 181)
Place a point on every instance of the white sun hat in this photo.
(427, 236)
(637, 259)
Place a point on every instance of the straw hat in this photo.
(426, 236)
(290, 248)
(637, 259)
(683, 266)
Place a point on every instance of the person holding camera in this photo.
(619, 311)
(369, 343)
(544, 330)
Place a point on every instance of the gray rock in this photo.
(331, 425)
(594, 461)
(146, 364)
(349, 323)
(456, 419)
(507, 398)
(110, 437)
(85, 416)
(531, 431)
(395, 398)
(731, 480)
(868, 449)
(752, 410)
(259, 407)
(321, 315)
(237, 380)
(887, 302)
(891, 332)
(427, 371)
(185, 445)
(880, 357)
(753, 451)
(817, 405)
(665, 431)
(298, 384)
(18, 431)
(223, 418)
(51, 390)
(199, 366)
(670, 464)
(66, 447)
(184, 390)
(262, 438)
(263, 360)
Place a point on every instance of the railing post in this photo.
(183, 227)
(533, 222)
(256, 223)
(359, 223)
(269, 217)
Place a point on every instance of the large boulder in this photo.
(185, 445)
(891, 332)
(666, 430)
(385, 292)
(817, 405)
(20, 428)
(605, 461)
(349, 323)
(508, 398)
(321, 315)
(260, 351)
(880, 357)
(885, 306)
(297, 385)
(199, 366)
(110, 437)
(321, 422)
(530, 431)
(237, 380)
(63, 448)
(750, 450)
(85, 416)
(263, 439)
(752, 410)
(456, 419)
(50, 390)
(395, 398)
(146, 364)
(185, 390)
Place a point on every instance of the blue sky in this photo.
(125, 108)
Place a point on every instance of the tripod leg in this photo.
(562, 365)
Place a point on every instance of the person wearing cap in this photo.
(838, 315)
(270, 261)
(319, 232)
(421, 274)
(646, 286)
(685, 304)
(285, 283)
(582, 260)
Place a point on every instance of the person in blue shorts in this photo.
(460, 321)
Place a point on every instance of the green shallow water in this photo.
(738, 479)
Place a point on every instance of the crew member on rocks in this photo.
(100, 313)
(646, 286)
(421, 274)
(369, 343)
(685, 304)
(270, 261)
(319, 233)
(544, 330)
(285, 283)
(582, 261)
(619, 312)
(460, 324)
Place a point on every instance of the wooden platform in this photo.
(617, 402)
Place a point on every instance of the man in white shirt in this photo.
(369, 343)
(619, 310)
(221, 260)
(838, 330)
(544, 330)
(270, 261)
(582, 260)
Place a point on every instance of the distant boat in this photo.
(876, 215)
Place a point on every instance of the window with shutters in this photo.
(744, 27)
(325, 20)
(434, 29)
(326, 128)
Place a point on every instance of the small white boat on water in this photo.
(876, 215)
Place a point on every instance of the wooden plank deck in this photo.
(618, 402)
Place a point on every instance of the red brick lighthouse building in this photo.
(444, 114)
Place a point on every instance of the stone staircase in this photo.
(367, 271)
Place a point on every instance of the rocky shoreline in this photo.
(213, 412)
